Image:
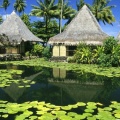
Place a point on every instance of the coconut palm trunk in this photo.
(61, 16)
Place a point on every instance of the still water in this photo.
(61, 87)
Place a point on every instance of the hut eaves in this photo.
(16, 30)
(83, 28)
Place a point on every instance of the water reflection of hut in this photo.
(15, 34)
(78, 92)
(59, 73)
(14, 91)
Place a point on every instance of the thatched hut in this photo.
(17, 33)
(83, 28)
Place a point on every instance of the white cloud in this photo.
(4, 16)
(40, 18)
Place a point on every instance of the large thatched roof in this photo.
(16, 30)
(83, 28)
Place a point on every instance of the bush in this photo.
(108, 45)
(70, 59)
(83, 54)
(46, 52)
(27, 54)
(111, 53)
(37, 50)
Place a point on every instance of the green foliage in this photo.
(20, 5)
(44, 9)
(5, 4)
(38, 28)
(80, 4)
(8, 77)
(111, 53)
(37, 50)
(106, 55)
(27, 54)
(83, 54)
(104, 60)
(45, 111)
(108, 45)
(71, 60)
(102, 11)
(1, 19)
(46, 52)
(26, 20)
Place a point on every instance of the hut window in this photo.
(70, 50)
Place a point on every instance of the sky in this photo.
(111, 30)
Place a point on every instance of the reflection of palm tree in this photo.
(19, 6)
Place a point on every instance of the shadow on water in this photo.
(61, 87)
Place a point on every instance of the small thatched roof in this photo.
(16, 31)
(83, 28)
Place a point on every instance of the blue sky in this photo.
(109, 29)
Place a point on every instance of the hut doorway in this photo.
(70, 50)
(2, 50)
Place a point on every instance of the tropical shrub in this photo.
(46, 52)
(37, 50)
(83, 54)
(111, 53)
(27, 54)
(108, 45)
(70, 60)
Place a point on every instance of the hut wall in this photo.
(56, 51)
(12, 50)
(62, 50)
(59, 50)
(9, 50)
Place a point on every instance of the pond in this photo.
(61, 87)
(56, 86)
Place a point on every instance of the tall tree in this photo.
(1, 19)
(102, 11)
(38, 28)
(44, 9)
(26, 20)
(80, 4)
(19, 6)
(63, 11)
(5, 5)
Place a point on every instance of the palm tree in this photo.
(19, 6)
(1, 20)
(44, 9)
(80, 4)
(5, 5)
(102, 11)
(63, 11)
